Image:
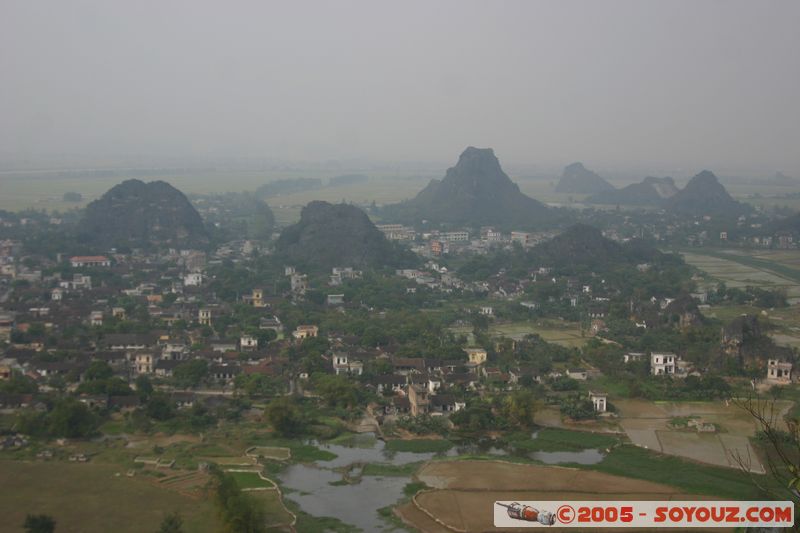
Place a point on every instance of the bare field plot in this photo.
(466, 491)
(93, 498)
(500, 475)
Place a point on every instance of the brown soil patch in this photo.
(497, 475)
(465, 491)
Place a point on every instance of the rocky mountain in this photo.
(136, 214)
(651, 191)
(577, 179)
(474, 192)
(330, 235)
(705, 195)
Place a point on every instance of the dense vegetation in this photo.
(135, 214)
(339, 235)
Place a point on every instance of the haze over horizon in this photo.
(624, 84)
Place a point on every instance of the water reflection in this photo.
(353, 504)
(583, 457)
(320, 491)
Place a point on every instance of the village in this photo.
(173, 366)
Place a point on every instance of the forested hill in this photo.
(579, 250)
(136, 214)
(585, 246)
(330, 235)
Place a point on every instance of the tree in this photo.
(336, 391)
(144, 387)
(159, 407)
(577, 408)
(72, 419)
(39, 523)
(190, 373)
(476, 418)
(564, 383)
(257, 384)
(18, 384)
(285, 417)
(172, 523)
(238, 510)
(98, 370)
(518, 408)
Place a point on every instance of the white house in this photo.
(599, 401)
(342, 365)
(248, 342)
(143, 363)
(662, 364)
(89, 261)
(632, 356)
(193, 279)
(779, 372)
(96, 318)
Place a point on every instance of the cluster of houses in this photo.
(438, 243)
(104, 291)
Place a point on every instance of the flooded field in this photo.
(768, 269)
(647, 425)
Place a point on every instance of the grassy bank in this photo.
(631, 461)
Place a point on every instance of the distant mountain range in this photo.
(703, 195)
(474, 192)
(651, 191)
(136, 214)
(330, 235)
(782, 179)
(577, 179)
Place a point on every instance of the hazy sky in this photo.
(662, 85)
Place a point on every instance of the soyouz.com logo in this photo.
(650, 514)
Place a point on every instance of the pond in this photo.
(365, 448)
(320, 491)
(355, 504)
(583, 457)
